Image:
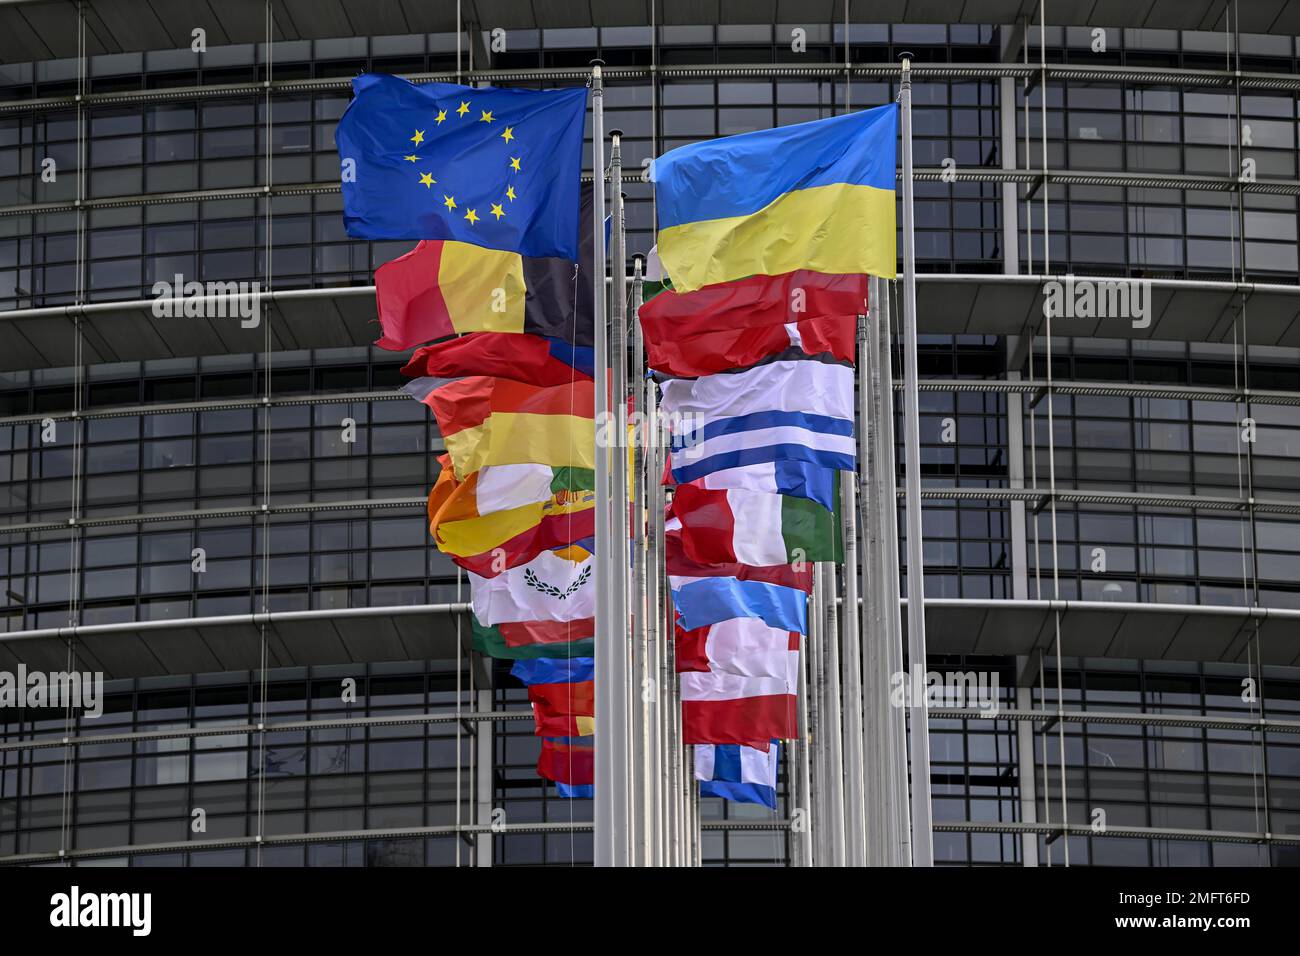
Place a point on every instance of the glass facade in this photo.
(295, 476)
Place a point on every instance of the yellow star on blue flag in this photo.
(522, 138)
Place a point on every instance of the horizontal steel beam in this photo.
(270, 727)
(1199, 393)
(202, 514)
(1125, 718)
(1204, 393)
(125, 330)
(1067, 496)
(333, 836)
(209, 405)
(74, 631)
(1140, 719)
(614, 74)
(1116, 498)
(980, 174)
(1147, 833)
(166, 199)
(341, 836)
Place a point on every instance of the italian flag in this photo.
(753, 527)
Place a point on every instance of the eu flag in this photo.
(498, 168)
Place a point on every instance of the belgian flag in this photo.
(442, 288)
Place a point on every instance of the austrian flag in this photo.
(722, 708)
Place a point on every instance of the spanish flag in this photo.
(496, 421)
(503, 516)
(816, 196)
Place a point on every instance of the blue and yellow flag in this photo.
(498, 168)
(816, 196)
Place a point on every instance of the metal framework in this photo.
(200, 514)
(1028, 177)
(1253, 80)
(279, 726)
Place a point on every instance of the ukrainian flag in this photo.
(816, 196)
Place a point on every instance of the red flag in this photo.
(752, 708)
(526, 633)
(678, 564)
(563, 710)
(752, 303)
(705, 353)
(566, 763)
(516, 356)
(751, 721)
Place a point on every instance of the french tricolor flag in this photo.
(741, 774)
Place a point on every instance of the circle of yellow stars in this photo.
(498, 210)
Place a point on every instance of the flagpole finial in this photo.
(638, 266)
(905, 80)
(615, 138)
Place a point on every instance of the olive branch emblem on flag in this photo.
(537, 584)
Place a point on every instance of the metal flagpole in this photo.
(653, 571)
(605, 795)
(900, 821)
(816, 730)
(804, 767)
(793, 799)
(885, 733)
(832, 720)
(688, 805)
(878, 567)
(851, 653)
(922, 836)
(875, 743)
(683, 775)
(618, 638)
(664, 646)
(642, 707)
(672, 743)
(698, 857)
(688, 809)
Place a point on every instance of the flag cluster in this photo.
(767, 239)
(513, 505)
(756, 379)
(496, 300)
